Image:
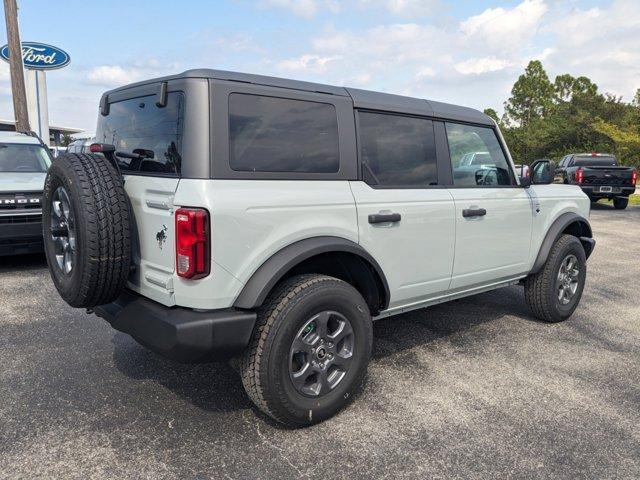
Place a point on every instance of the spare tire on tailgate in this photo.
(86, 228)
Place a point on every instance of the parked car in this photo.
(55, 151)
(24, 161)
(599, 176)
(80, 146)
(522, 170)
(227, 214)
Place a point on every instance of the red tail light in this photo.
(579, 176)
(101, 148)
(192, 243)
(634, 177)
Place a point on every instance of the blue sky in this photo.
(467, 52)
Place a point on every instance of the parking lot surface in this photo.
(476, 388)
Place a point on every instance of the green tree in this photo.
(532, 96)
(544, 119)
(492, 113)
(65, 140)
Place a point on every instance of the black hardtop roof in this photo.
(365, 99)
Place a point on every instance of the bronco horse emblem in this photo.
(161, 236)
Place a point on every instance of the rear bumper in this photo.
(594, 192)
(181, 334)
(19, 238)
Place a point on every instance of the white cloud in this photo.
(405, 8)
(405, 49)
(112, 75)
(4, 72)
(505, 29)
(402, 8)
(305, 8)
(601, 43)
(307, 64)
(478, 66)
(426, 72)
(116, 75)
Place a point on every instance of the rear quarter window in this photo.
(138, 123)
(272, 134)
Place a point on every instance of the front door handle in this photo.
(384, 217)
(474, 212)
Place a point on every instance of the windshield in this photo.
(16, 157)
(595, 161)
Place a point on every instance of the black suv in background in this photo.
(599, 176)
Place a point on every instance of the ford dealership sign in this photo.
(39, 56)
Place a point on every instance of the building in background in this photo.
(55, 133)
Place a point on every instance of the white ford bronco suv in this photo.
(24, 160)
(223, 214)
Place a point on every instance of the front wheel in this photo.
(620, 203)
(554, 292)
(310, 349)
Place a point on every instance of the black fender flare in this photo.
(263, 280)
(554, 232)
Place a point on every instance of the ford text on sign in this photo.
(39, 56)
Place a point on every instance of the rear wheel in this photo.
(86, 229)
(554, 292)
(620, 203)
(310, 349)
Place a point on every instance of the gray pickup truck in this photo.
(599, 176)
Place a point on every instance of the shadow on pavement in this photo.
(609, 206)
(218, 387)
(210, 386)
(23, 262)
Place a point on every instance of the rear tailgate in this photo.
(153, 242)
(613, 176)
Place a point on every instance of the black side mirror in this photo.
(525, 182)
(542, 172)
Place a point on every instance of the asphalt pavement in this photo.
(476, 388)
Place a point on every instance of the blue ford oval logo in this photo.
(39, 56)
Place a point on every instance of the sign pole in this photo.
(16, 67)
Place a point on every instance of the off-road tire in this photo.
(102, 229)
(620, 203)
(265, 364)
(540, 289)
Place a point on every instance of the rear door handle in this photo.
(384, 217)
(474, 212)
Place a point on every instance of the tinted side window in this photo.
(476, 156)
(397, 151)
(138, 123)
(269, 134)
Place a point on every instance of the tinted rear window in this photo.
(595, 161)
(138, 123)
(399, 151)
(269, 134)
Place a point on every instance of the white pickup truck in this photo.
(223, 214)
